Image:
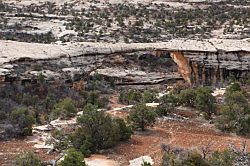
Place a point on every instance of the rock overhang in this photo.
(11, 50)
(213, 53)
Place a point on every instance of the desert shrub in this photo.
(142, 116)
(98, 131)
(235, 114)
(248, 81)
(98, 83)
(187, 97)
(23, 120)
(72, 158)
(27, 159)
(234, 86)
(124, 130)
(236, 97)
(41, 96)
(167, 103)
(135, 96)
(224, 158)
(95, 98)
(205, 101)
(61, 141)
(64, 109)
(3, 116)
(130, 96)
(186, 157)
(179, 157)
(29, 100)
(48, 101)
(193, 158)
(82, 142)
(149, 96)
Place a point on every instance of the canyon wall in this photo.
(211, 68)
(199, 62)
(215, 68)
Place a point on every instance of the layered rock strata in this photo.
(208, 61)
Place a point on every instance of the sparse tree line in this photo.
(150, 23)
(97, 130)
(204, 156)
(172, 156)
(22, 105)
(26, 37)
(177, 23)
(232, 116)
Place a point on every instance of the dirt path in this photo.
(100, 160)
(177, 134)
(10, 149)
(181, 134)
(184, 134)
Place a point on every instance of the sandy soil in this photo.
(183, 134)
(97, 160)
(192, 133)
(176, 134)
(10, 149)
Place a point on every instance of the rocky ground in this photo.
(185, 129)
(122, 21)
(185, 134)
(137, 44)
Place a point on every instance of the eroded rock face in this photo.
(214, 68)
(201, 62)
(137, 68)
(183, 65)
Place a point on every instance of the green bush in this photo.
(82, 141)
(150, 96)
(130, 97)
(72, 158)
(205, 101)
(234, 86)
(135, 96)
(181, 157)
(23, 119)
(64, 109)
(142, 116)
(27, 159)
(187, 97)
(236, 97)
(3, 116)
(224, 158)
(98, 83)
(167, 104)
(62, 141)
(95, 98)
(98, 131)
(235, 114)
(193, 158)
(124, 130)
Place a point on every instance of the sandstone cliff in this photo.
(208, 61)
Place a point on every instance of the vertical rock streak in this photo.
(212, 68)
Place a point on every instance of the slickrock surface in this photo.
(206, 61)
(11, 50)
